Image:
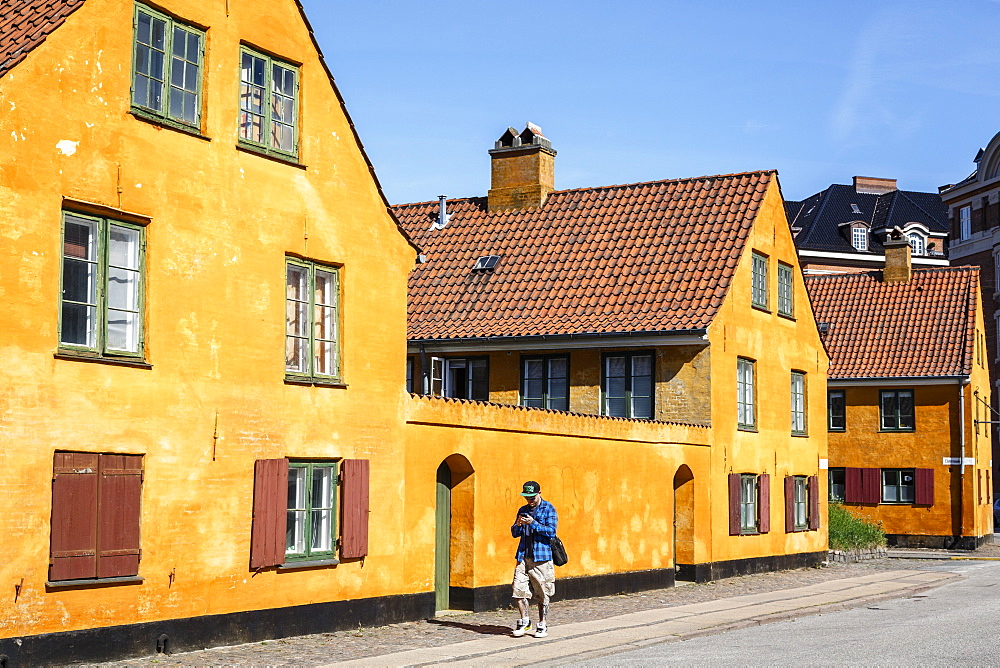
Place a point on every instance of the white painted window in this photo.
(917, 242)
(859, 238)
(964, 223)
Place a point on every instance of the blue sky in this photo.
(639, 91)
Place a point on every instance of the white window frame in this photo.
(859, 238)
(918, 243)
(749, 484)
(800, 503)
(964, 222)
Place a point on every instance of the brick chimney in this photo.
(897, 259)
(523, 166)
(873, 186)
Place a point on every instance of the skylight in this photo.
(486, 263)
(855, 209)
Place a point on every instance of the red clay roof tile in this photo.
(640, 257)
(24, 24)
(924, 327)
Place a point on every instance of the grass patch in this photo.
(848, 532)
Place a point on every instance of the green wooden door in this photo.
(442, 549)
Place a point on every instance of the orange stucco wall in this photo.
(778, 345)
(220, 224)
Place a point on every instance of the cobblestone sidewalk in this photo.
(361, 643)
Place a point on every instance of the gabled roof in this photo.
(24, 24)
(924, 327)
(636, 258)
(820, 216)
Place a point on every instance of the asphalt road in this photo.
(953, 625)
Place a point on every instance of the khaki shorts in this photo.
(540, 578)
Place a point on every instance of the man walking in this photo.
(535, 526)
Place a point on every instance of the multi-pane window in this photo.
(896, 409)
(460, 378)
(167, 67)
(798, 403)
(268, 103)
(758, 295)
(996, 272)
(898, 485)
(917, 243)
(748, 503)
(745, 407)
(312, 300)
(859, 238)
(786, 303)
(628, 385)
(545, 382)
(964, 223)
(838, 483)
(836, 410)
(102, 286)
(309, 529)
(800, 507)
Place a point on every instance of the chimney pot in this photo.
(898, 267)
(523, 170)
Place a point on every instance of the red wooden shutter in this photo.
(789, 504)
(924, 483)
(734, 504)
(871, 485)
(270, 513)
(852, 485)
(73, 547)
(979, 485)
(354, 527)
(119, 497)
(764, 486)
(813, 496)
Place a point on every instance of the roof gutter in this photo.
(898, 381)
(685, 337)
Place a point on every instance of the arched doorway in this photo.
(684, 523)
(454, 538)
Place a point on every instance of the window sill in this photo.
(800, 434)
(315, 563)
(289, 160)
(896, 431)
(762, 309)
(837, 431)
(752, 430)
(100, 359)
(162, 122)
(94, 582)
(750, 533)
(787, 316)
(299, 380)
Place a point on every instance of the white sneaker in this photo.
(541, 630)
(522, 627)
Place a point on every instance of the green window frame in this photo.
(786, 293)
(800, 503)
(545, 382)
(312, 321)
(899, 486)
(269, 104)
(167, 69)
(896, 410)
(836, 410)
(102, 287)
(746, 413)
(798, 403)
(748, 503)
(311, 527)
(627, 386)
(758, 284)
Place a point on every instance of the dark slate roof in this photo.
(24, 24)
(818, 217)
(922, 328)
(643, 257)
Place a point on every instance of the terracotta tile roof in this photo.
(24, 24)
(643, 257)
(924, 327)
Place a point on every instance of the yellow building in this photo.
(204, 434)
(670, 301)
(909, 391)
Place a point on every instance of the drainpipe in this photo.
(961, 440)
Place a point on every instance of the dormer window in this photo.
(859, 238)
(917, 242)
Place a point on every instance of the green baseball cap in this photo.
(531, 488)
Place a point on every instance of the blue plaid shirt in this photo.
(538, 533)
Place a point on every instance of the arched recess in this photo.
(684, 523)
(454, 535)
